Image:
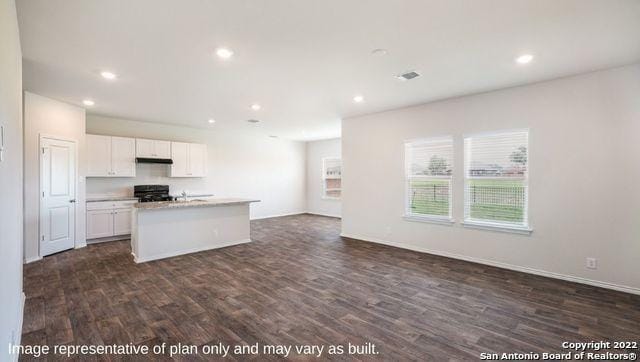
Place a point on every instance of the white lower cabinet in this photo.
(122, 221)
(99, 224)
(108, 218)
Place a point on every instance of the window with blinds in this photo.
(496, 173)
(332, 178)
(429, 166)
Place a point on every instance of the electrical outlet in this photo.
(387, 230)
(592, 263)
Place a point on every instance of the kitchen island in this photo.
(170, 228)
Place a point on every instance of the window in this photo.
(428, 169)
(496, 173)
(332, 178)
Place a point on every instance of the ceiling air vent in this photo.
(408, 75)
(253, 120)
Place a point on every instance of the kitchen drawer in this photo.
(102, 205)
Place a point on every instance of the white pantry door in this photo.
(57, 195)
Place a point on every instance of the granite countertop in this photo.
(192, 195)
(110, 198)
(193, 203)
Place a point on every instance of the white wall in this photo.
(44, 116)
(11, 301)
(239, 165)
(584, 176)
(316, 151)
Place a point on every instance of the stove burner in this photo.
(152, 193)
(152, 198)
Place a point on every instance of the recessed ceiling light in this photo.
(524, 59)
(88, 102)
(358, 99)
(379, 52)
(212, 121)
(224, 53)
(256, 107)
(108, 75)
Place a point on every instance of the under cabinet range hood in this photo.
(165, 161)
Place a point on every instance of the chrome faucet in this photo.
(184, 195)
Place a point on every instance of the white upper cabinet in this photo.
(162, 149)
(98, 155)
(110, 156)
(144, 148)
(180, 158)
(197, 160)
(189, 159)
(153, 148)
(123, 160)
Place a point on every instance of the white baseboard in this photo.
(18, 330)
(77, 245)
(278, 215)
(322, 214)
(32, 259)
(188, 251)
(544, 273)
(109, 238)
(296, 213)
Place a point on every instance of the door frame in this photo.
(41, 137)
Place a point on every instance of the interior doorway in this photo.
(58, 170)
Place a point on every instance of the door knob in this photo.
(72, 200)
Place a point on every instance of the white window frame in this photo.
(524, 228)
(408, 177)
(325, 178)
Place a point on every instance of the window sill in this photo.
(330, 198)
(523, 230)
(429, 219)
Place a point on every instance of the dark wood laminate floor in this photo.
(300, 283)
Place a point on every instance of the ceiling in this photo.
(303, 61)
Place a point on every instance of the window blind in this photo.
(496, 178)
(429, 167)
